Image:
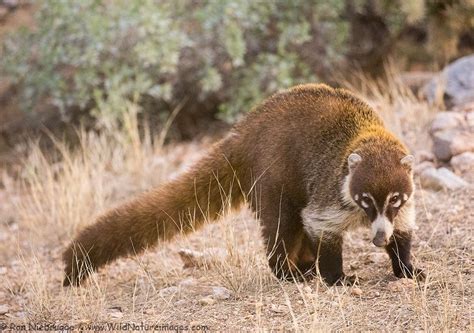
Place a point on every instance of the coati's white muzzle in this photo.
(382, 230)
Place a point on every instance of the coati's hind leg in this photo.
(290, 252)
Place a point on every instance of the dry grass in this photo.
(54, 197)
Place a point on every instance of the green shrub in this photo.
(99, 55)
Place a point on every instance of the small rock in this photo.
(463, 162)
(401, 285)
(169, 291)
(278, 308)
(462, 142)
(116, 312)
(447, 144)
(221, 293)
(422, 166)
(3, 270)
(11, 4)
(455, 83)
(424, 155)
(377, 257)
(442, 145)
(442, 178)
(3, 309)
(356, 291)
(207, 301)
(189, 282)
(307, 290)
(447, 120)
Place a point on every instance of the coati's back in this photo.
(302, 136)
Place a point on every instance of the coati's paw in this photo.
(341, 280)
(411, 272)
(347, 280)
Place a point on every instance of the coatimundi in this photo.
(312, 161)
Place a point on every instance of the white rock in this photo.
(4, 309)
(456, 83)
(451, 142)
(447, 120)
(424, 155)
(463, 162)
(401, 285)
(307, 290)
(377, 257)
(221, 293)
(442, 178)
(116, 312)
(462, 142)
(169, 291)
(278, 308)
(422, 166)
(189, 282)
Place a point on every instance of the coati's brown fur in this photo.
(289, 159)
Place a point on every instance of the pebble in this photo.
(378, 257)
(307, 290)
(221, 293)
(463, 162)
(419, 168)
(207, 301)
(278, 308)
(3, 309)
(401, 285)
(356, 291)
(442, 178)
(165, 292)
(424, 155)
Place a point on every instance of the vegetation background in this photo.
(91, 90)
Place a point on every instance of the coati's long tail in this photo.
(180, 206)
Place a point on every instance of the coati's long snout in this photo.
(179, 206)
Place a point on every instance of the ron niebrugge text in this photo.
(113, 326)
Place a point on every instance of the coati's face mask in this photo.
(380, 187)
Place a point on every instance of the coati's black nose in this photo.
(380, 239)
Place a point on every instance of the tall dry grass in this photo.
(62, 192)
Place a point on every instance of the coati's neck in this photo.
(375, 139)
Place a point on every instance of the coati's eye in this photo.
(395, 200)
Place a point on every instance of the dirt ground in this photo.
(232, 289)
(217, 278)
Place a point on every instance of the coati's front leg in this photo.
(329, 254)
(291, 254)
(399, 249)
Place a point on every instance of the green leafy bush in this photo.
(99, 55)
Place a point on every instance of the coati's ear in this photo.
(408, 161)
(353, 161)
